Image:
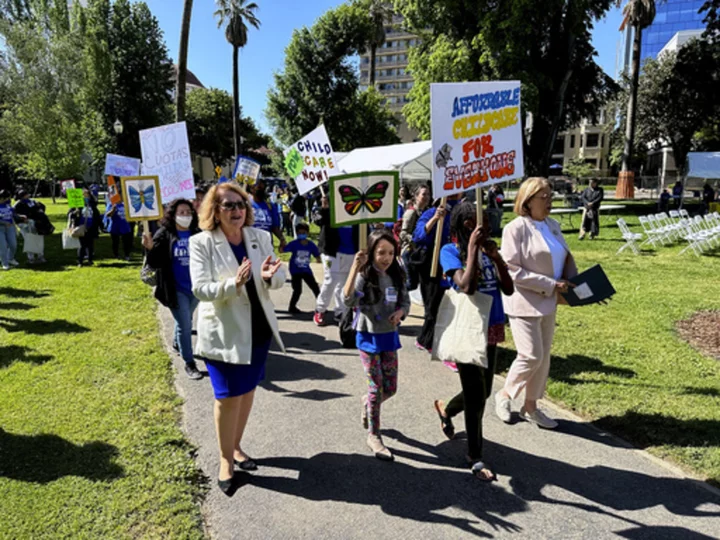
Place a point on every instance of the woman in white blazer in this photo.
(233, 267)
(540, 264)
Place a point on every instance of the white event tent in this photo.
(411, 160)
(703, 164)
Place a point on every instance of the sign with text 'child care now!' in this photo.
(311, 161)
(476, 135)
(166, 154)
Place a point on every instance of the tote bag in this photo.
(68, 240)
(462, 327)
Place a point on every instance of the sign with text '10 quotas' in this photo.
(311, 161)
(166, 154)
(476, 135)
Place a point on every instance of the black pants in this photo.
(591, 224)
(87, 247)
(127, 242)
(287, 224)
(297, 280)
(476, 384)
(432, 295)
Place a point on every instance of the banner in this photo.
(166, 154)
(121, 166)
(246, 170)
(368, 197)
(142, 196)
(311, 161)
(477, 135)
(75, 198)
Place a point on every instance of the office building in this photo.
(587, 141)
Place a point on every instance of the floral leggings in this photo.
(381, 370)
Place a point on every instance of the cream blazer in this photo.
(224, 326)
(531, 268)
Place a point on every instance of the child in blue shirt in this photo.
(473, 263)
(8, 233)
(302, 249)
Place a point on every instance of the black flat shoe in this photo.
(247, 465)
(228, 487)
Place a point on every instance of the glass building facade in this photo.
(672, 17)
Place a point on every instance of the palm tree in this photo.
(639, 14)
(379, 13)
(236, 15)
(182, 62)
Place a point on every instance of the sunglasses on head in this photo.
(227, 205)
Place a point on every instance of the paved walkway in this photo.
(317, 478)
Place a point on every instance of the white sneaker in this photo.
(6, 267)
(14, 263)
(538, 418)
(502, 407)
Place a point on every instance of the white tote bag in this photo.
(462, 327)
(68, 240)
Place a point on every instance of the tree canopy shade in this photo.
(545, 45)
(319, 83)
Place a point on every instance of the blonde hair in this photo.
(528, 189)
(211, 206)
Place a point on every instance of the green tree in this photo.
(209, 132)
(182, 62)
(546, 45)
(236, 15)
(319, 83)
(578, 168)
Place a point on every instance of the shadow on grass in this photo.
(285, 368)
(16, 353)
(12, 292)
(45, 458)
(20, 306)
(40, 327)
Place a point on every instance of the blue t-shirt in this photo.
(427, 239)
(117, 223)
(300, 260)
(347, 245)
(266, 216)
(377, 343)
(181, 262)
(6, 213)
(488, 283)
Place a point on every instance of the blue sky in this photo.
(210, 56)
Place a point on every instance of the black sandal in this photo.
(246, 465)
(445, 423)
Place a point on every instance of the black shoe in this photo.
(192, 372)
(294, 310)
(176, 347)
(247, 465)
(228, 487)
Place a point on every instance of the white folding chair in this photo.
(660, 230)
(669, 226)
(653, 238)
(630, 238)
(694, 239)
(684, 213)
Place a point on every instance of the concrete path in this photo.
(317, 479)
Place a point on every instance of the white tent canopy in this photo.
(412, 160)
(704, 164)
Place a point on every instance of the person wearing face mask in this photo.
(88, 217)
(267, 216)
(169, 254)
(302, 250)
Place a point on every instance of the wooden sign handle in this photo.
(438, 240)
(363, 236)
(479, 204)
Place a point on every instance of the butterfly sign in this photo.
(142, 198)
(368, 197)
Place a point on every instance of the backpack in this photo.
(298, 206)
(346, 330)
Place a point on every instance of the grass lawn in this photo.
(90, 443)
(624, 366)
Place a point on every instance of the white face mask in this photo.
(183, 221)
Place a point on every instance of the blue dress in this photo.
(230, 380)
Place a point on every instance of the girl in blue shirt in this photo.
(472, 263)
(8, 233)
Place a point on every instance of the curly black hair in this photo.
(168, 219)
(372, 290)
(460, 214)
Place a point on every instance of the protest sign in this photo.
(113, 191)
(368, 197)
(143, 196)
(121, 166)
(476, 135)
(166, 154)
(75, 198)
(311, 161)
(246, 170)
(67, 184)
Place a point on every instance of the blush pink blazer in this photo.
(531, 268)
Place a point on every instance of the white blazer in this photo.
(224, 330)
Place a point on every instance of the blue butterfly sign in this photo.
(368, 197)
(142, 198)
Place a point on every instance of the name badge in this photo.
(391, 295)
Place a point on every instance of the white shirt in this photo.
(557, 250)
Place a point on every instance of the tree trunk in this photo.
(236, 101)
(632, 102)
(373, 52)
(182, 62)
(52, 190)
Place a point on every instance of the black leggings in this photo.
(297, 280)
(476, 384)
(127, 242)
(87, 247)
(432, 295)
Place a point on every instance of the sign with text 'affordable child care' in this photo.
(166, 154)
(476, 135)
(311, 161)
